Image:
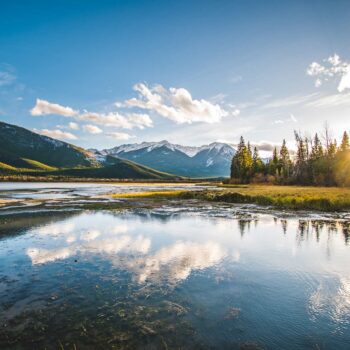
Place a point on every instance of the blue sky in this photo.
(102, 73)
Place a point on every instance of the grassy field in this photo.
(284, 197)
(287, 197)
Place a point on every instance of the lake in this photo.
(179, 275)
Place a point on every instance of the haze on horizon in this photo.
(103, 73)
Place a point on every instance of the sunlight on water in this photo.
(173, 277)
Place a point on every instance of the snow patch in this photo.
(190, 151)
(210, 161)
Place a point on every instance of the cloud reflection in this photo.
(331, 299)
(177, 261)
(173, 261)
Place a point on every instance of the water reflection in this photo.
(175, 278)
(175, 258)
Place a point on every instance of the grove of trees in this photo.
(317, 161)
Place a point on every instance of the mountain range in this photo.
(23, 152)
(211, 160)
(28, 153)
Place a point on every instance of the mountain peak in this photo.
(190, 151)
(200, 161)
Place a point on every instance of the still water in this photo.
(210, 276)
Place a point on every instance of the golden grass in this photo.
(7, 167)
(289, 197)
(284, 197)
(38, 165)
(290, 191)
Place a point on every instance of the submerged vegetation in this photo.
(152, 194)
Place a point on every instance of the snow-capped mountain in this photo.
(205, 161)
(190, 151)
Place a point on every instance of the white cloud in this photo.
(293, 119)
(113, 119)
(330, 101)
(290, 119)
(128, 121)
(290, 101)
(318, 82)
(6, 78)
(73, 126)
(266, 146)
(92, 129)
(344, 81)
(332, 68)
(175, 104)
(43, 107)
(59, 134)
(120, 136)
(140, 120)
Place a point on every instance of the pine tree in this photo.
(329, 163)
(242, 162)
(345, 144)
(332, 149)
(301, 172)
(314, 163)
(274, 163)
(236, 165)
(248, 162)
(317, 149)
(257, 165)
(317, 164)
(284, 160)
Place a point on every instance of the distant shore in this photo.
(99, 180)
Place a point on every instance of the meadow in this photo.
(285, 197)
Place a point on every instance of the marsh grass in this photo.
(286, 197)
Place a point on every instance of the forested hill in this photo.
(21, 148)
(23, 152)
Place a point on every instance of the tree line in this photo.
(316, 161)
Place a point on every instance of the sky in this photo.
(102, 73)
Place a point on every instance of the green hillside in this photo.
(23, 152)
(18, 145)
(121, 169)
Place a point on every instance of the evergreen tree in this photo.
(345, 144)
(242, 162)
(258, 165)
(274, 163)
(332, 149)
(313, 163)
(285, 163)
(236, 165)
(301, 167)
(317, 162)
(317, 149)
